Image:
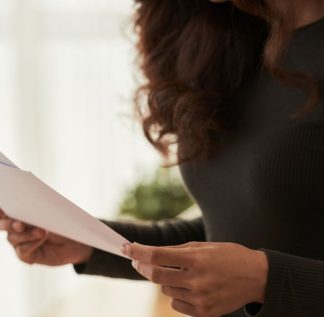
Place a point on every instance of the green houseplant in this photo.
(163, 197)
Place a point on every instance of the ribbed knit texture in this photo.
(295, 287)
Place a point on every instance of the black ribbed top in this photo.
(264, 189)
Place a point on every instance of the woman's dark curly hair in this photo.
(196, 56)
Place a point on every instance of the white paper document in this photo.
(5, 161)
(26, 198)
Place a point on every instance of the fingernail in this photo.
(134, 264)
(125, 248)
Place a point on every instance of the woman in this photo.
(238, 86)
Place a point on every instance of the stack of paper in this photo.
(26, 198)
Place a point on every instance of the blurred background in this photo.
(67, 78)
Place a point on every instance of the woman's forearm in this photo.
(295, 287)
(168, 232)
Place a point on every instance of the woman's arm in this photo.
(295, 287)
(168, 232)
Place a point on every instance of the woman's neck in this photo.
(308, 11)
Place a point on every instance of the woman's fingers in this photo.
(183, 307)
(178, 293)
(26, 251)
(28, 247)
(11, 225)
(22, 238)
(160, 256)
(5, 224)
(19, 226)
(163, 275)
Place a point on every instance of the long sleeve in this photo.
(168, 232)
(295, 287)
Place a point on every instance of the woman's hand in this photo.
(204, 279)
(34, 245)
